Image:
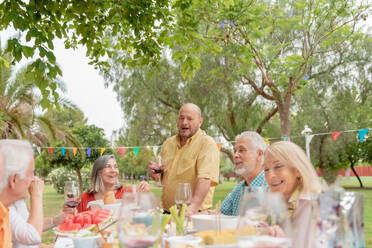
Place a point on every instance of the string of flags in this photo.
(361, 133)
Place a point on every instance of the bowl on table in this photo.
(210, 222)
(85, 241)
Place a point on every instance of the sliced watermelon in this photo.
(87, 220)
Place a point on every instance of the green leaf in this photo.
(28, 51)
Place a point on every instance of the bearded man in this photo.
(248, 160)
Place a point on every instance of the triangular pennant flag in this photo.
(38, 149)
(287, 139)
(266, 141)
(121, 150)
(135, 150)
(362, 134)
(50, 151)
(63, 150)
(102, 150)
(155, 150)
(219, 145)
(74, 150)
(335, 135)
(89, 150)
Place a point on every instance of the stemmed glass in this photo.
(183, 194)
(139, 221)
(260, 214)
(158, 170)
(72, 194)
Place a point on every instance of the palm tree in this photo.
(18, 103)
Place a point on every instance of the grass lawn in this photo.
(54, 201)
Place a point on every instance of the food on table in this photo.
(85, 223)
(109, 198)
(224, 237)
(247, 230)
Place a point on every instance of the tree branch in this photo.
(266, 119)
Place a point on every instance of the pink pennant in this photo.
(335, 135)
(121, 150)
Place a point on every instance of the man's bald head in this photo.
(190, 107)
(189, 120)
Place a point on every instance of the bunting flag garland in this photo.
(89, 150)
(121, 150)
(135, 150)
(219, 145)
(362, 134)
(102, 150)
(335, 135)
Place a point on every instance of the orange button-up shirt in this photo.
(5, 234)
(198, 158)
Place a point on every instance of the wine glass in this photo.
(139, 220)
(158, 170)
(72, 194)
(260, 214)
(183, 194)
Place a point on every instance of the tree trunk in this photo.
(285, 122)
(356, 174)
(80, 179)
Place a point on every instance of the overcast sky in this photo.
(86, 89)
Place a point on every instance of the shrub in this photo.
(60, 175)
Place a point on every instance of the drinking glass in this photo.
(183, 194)
(260, 213)
(72, 194)
(158, 170)
(139, 220)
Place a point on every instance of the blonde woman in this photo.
(289, 172)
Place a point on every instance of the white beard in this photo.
(245, 170)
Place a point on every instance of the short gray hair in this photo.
(17, 156)
(256, 140)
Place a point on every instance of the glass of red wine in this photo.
(159, 170)
(72, 194)
(139, 220)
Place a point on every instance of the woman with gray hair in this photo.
(289, 172)
(105, 178)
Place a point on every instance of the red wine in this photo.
(72, 204)
(70, 195)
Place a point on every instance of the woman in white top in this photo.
(27, 227)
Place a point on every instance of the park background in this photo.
(267, 66)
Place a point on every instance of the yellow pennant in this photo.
(74, 150)
(266, 141)
(102, 150)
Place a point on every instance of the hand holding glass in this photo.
(72, 194)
